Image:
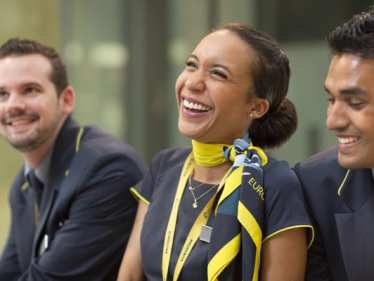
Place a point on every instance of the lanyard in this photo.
(194, 233)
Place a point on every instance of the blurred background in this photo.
(123, 57)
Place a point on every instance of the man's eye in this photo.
(191, 64)
(31, 90)
(3, 94)
(330, 100)
(355, 103)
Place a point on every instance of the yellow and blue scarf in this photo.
(239, 213)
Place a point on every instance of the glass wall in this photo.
(96, 55)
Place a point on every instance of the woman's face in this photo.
(212, 91)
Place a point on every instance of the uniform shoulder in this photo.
(278, 174)
(104, 147)
(103, 143)
(171, 156)
(320, 172)
(324, 161)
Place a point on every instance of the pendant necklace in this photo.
(193, 190)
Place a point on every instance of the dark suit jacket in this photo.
(86, 213)
(341, 202)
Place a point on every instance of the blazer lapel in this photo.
(355, 227)
(63, 152)
(41, 239)
(23, 214)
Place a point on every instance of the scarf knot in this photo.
(243, 152)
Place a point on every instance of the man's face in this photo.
(350, 112)
(31, 112)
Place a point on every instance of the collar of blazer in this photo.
(63, 152)
(65, 148)
(354, 228)
(355, 187)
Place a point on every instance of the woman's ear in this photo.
(259, 108)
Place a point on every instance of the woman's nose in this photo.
(195, 81)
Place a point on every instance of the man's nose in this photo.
(337, 118)
(15, 103)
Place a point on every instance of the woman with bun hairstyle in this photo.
(225, 209)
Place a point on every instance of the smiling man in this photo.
(71, 210)
(338, 183)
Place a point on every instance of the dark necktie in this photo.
(36, 185)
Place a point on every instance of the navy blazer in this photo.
(86, 213)
(341, 202)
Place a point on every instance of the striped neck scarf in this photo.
(239, 213)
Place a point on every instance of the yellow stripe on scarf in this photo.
(251, 226)
(223, 258)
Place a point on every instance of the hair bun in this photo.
(275, 127)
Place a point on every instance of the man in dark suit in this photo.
(71, 209)
(338, 183)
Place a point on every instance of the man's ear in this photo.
(259, 108)
(67, 100)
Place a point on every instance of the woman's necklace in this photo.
(193, 190)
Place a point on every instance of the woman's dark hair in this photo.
(356, 36)
(271, 75)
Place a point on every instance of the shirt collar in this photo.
(42, 170)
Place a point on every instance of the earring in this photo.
(251, 115)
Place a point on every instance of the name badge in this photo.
(206, 233)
